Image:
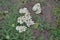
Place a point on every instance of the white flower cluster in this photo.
(21, 28)
(26, 18)
(23, 10)
(37, 8)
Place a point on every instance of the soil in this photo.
(47, 12)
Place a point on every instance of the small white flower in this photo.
(21, 28)
(23, 10)
(20, 20)
(29, 22)
(37, 8)
(28, 17)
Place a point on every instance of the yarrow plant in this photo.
(21, 28)
(23, 10)
(24, 19)
(27, 17)
(37, 8)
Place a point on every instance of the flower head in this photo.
(37, 8)
(23, 10)
(20, 20)
(29, 22)
(21, 28)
